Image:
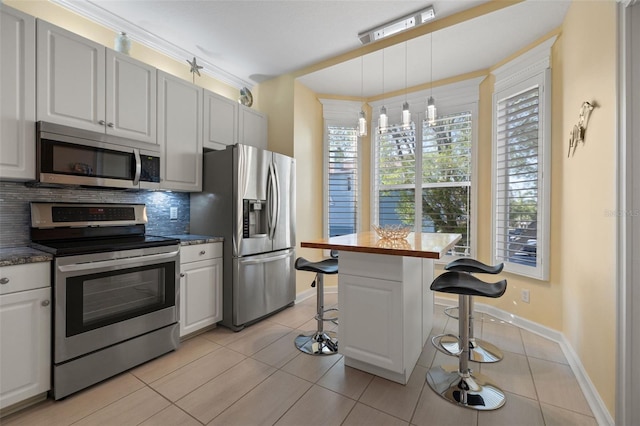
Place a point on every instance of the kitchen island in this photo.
(384, 301)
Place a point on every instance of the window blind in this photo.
(342, 180)
(517, 177)
(396, 175)
(446, 178)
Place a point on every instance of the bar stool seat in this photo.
(458, 384)
(480, 350)
(318, 342)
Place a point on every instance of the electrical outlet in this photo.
(524, 295)
(173, 213)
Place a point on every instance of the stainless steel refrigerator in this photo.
(248, 198)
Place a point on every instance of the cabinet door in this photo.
(180, 133)
(131, 98)
(17, 94)
(220, 121)
(70, 78)
(25, 345)
(200, 295)
(371, 335)
(252, 127)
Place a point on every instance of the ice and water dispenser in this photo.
(254, 221)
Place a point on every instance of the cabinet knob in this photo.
(45, 303)
(202, 252)
(110, 124)
(181, 275)
(4, 280)
(102, 122)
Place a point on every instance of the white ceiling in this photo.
(243, 42)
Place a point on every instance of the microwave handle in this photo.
(136, 178)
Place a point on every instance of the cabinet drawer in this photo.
(26, 276)
(198, 252)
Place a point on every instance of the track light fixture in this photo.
(398, 25)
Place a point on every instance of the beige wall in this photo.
(587, 243)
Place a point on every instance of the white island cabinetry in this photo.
(200, 286)
(25, 332)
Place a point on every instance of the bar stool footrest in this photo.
(472, 390)
(451, 312)
(479, 350)
(450, 346)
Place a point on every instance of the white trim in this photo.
(597, 405)
(95, 13)
(309, 293)
(628, 242)
(524, 66)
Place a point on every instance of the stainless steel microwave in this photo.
(70, 156)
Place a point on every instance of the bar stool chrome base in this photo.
(479, 350)
(474, 391)
(318, 343)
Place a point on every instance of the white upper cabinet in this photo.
(220, 121)
(85, 85)
(131, 97)
(252, 127)
(180, 133)
(17, 94)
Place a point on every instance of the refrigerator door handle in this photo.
(272, 200)
(262, 260)
(276, 182)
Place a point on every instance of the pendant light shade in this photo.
(431, 111)
(383, 120)
(362, 124)
(406, 115)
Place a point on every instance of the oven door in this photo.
(106, 298)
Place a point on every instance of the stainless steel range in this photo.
(115, 290)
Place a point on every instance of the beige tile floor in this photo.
(257, 377)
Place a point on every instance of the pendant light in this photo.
(431, 113)
(383, 120)
(406, 114)
(362, 119)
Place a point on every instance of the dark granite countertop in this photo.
(191, 239)
(19, 255)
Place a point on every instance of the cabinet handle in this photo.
(4, 280)
(110, 124)
(181, 275)
(45, 303)
(202, 253)
(102, 122)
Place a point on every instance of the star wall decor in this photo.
(195, 68)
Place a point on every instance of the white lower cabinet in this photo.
(200, 286)
(25, 332)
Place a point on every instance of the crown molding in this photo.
(95, 13)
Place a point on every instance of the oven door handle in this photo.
(115, 262)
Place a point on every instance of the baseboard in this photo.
(600, 411)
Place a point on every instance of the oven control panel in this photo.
(51, 215)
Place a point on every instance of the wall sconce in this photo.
(579, 130)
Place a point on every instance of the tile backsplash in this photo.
(15, 218)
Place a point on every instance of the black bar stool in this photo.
(318, 342)
(459, 385)
(479, 350)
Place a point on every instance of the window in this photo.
(342, 178)
(521, 164)
(446, 178)
(341, 168)
(423, 175)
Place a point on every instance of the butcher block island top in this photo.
(425, 245)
